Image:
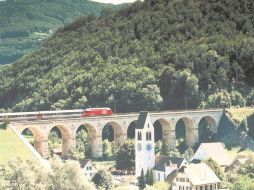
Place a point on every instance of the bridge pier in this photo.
(96, 147)
(42, 147)
(67, 145)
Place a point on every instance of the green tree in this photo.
(83, 149)
(183, 90)
(216, 168)
(142, 180)
(189, 153)
(67, 176)
(54, 140)
(102, 179)
(18, 174)
(150, 178)
(221, 99)
(158, 147)
(237, 99)
(247, 169)
(107, 148)
(243, 183)
(165, 147)
(23, 175)
(250, 98)
(125, 157)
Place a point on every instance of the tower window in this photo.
(139, 136)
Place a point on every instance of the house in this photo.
(88, 168)
(237, 162)
(194, 177)
(215, 151)
(165, 165)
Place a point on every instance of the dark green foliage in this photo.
(158, 147)
(250, 98)
(150, 178)
(167, 150)
(4, 125)
(247, 169)
(108, 133)
(205, 131)
(125, 157)
(142, 181)
(25, 24)
(250, 124)
(147, 56)
(102, 179)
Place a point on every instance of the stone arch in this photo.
(68, 140)
(207, 128)
(39, 140)
(185, 129)
(131, 130)
(162, 130)
(117, 132)
(92, 136)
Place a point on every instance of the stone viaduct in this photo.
(120, 124)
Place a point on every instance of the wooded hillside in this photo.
(25, 24)
(154, 55)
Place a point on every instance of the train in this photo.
(96, 111)
(39, 115)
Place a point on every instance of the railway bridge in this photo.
(122, 125)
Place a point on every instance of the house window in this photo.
(187, 180)
(91, 174)
(211, 187)
(180, 187)
(206, 187)
(89, 168)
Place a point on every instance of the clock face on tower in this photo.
(139, 147)
(149, 147)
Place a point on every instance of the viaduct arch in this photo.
(122, 125)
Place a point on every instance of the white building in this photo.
(144, 144)
(165, 165)
(145, 151)
(216, 151)
(194, 177)
(88, 168)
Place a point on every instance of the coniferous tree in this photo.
(142, 181)
(150, 178)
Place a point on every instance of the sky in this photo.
(115, 1)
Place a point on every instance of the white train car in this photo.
(39, 115)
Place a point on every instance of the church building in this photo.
(145, 151)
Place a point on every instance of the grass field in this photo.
(11, 147)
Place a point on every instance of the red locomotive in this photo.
(96, 112)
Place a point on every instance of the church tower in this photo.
(144, 144)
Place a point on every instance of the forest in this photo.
(151, 55)
(26, 24)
